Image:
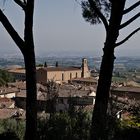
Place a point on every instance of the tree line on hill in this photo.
(5, 77)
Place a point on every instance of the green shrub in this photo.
(14, 126)
(62, 126)
(9, 135)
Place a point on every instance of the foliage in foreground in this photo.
(12, 128)
(62, 126)
(65, 126)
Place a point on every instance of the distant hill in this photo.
(94, 62)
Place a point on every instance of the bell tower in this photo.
(85, 69)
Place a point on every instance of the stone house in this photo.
(6, 103)
(6, 96)
(132, 93)
(72, 95)
(67, 95)
(18, 74)
(8, 92)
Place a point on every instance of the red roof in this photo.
(61, 68)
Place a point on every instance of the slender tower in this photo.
(85, 69)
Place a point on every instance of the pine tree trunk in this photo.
(98, 130)
(27, 48)
(99, 122)
(30, 66)
(31, 95)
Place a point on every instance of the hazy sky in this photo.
(59, 27)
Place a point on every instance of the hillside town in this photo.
(63, 79)
(67, 85)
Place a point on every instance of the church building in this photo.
(63, 74)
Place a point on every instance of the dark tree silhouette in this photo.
(26, 46)
(56, 64)
(110, 13)
(45, 64)
(52, 92)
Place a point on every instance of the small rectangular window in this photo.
(62, 76)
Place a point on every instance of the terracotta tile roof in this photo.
(21, 94)
(62, 93)
(40, 95)
(18, 70)
(6, 113)
(4, 90)
(89, 79)
(127, 89)
(4, 105)
(5, 100)
(61, 68)
(73, 93)
(19, 85)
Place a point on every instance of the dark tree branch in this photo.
(130, 35)
(131, 7)
(21, 3)
(99, 13)
(129, 21)
(25, 1)
(17, 39)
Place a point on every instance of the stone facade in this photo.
(18, 74)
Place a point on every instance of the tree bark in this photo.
(98, 129)
(27, 48)
(29, 57)
(31, 96)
